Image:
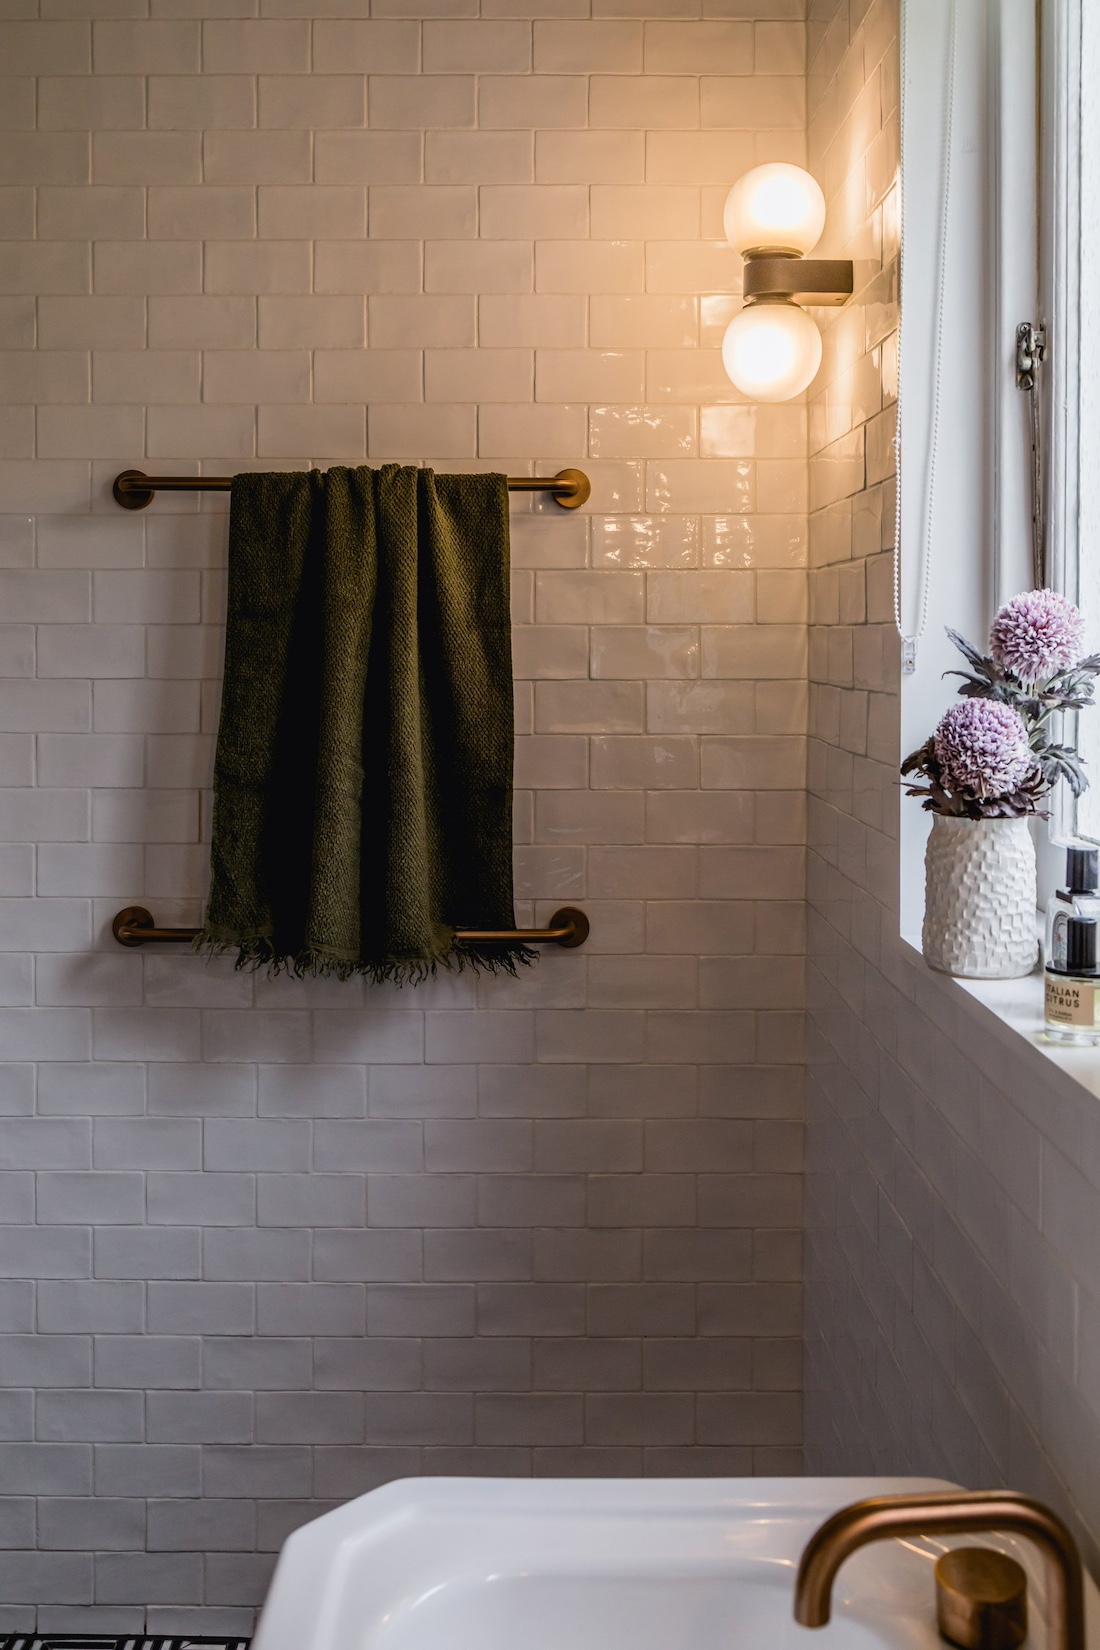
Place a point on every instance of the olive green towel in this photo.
(363, 777)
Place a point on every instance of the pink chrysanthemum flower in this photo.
(1036, 634)
(981, 746)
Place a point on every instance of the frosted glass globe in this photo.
(775, 208)
(771, 351)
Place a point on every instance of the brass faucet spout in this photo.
(948, 1513)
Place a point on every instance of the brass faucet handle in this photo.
(981, 1599)
(951, 1512)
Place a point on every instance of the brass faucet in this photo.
(947, 1513)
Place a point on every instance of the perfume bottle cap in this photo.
(1081, 870)
(1081, 945)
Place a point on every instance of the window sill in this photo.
(1012, 1011)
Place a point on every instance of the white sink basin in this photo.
(583, 1564)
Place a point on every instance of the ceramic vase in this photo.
(979, 906)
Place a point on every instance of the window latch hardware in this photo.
(1031, 349)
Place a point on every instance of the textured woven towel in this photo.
(363, 777)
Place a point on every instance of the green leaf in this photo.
(970, 652)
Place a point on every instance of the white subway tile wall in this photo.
(952, 1178)
(270, 1243)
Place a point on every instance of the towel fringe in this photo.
(258, 951)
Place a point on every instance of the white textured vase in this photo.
(979, 904)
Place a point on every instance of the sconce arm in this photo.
(824, 281)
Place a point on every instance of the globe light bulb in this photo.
(771, 351)
(775, 208)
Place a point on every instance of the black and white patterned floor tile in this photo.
(121, 1641)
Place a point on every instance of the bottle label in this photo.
(1071, 1002)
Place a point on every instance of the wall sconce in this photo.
(774, 215)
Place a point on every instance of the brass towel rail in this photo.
(134, 490)
(134, 925)
(568, 928)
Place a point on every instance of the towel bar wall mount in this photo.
(569, 927)
(134, 490)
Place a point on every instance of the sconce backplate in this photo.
(824, 281)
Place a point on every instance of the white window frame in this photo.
(1059, 264)
(1070, 243)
